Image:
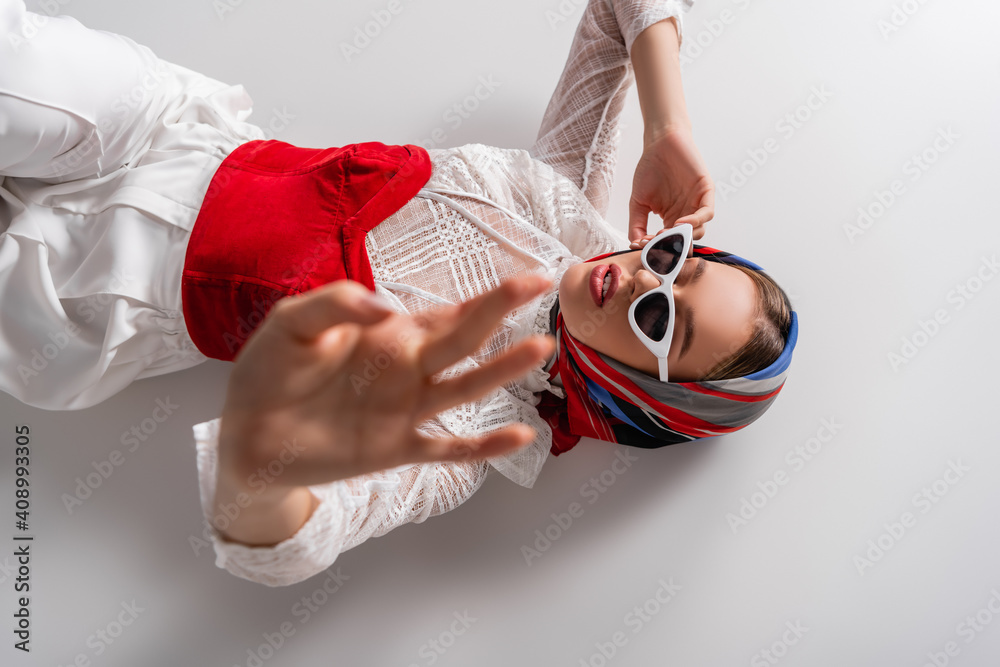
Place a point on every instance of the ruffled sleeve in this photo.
(349, 512)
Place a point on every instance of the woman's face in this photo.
(714, 302)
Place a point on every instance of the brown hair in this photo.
(772, 321)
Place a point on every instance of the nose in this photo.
(643, 281)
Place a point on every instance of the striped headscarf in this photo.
(607, 400)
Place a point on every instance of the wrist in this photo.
(656, 130)
(264, 520)
(257, 516)
(242, 498)
(249, 506)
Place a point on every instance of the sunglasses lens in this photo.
(652, 314)
(665, 253)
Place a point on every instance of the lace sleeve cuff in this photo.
(309, 551)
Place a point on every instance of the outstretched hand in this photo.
(335, 388)
(671, 180)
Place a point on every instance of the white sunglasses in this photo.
(652, 314)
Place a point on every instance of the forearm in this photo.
(656, 60)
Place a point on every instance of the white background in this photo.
(795, 560)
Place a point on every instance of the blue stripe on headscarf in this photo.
(730, 258)
(781, 363)
(601, 395)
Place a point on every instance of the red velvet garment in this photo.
(279, 220)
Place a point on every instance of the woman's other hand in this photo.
(331, 387)
(672, 181)
(334, 388)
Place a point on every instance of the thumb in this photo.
(638, 219)
(309, 314)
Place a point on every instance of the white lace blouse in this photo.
(100, 183)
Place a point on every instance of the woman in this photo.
(433, 226)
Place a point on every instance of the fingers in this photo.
(641, 243)
(699, 217)
(476, 318)
(337, 344)
(311, 313)
(476, 383)
(696, 219)
(638, 220)
(705, 213)
(503, 441)
(697, 228)
(709, 201)
(696, 234)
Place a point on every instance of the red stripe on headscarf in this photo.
(677, 419)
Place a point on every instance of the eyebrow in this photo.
(689, 312)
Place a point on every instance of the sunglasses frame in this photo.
(661, 348)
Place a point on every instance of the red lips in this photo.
(597, 282)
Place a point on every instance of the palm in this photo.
(349, 401)
(295, 389)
